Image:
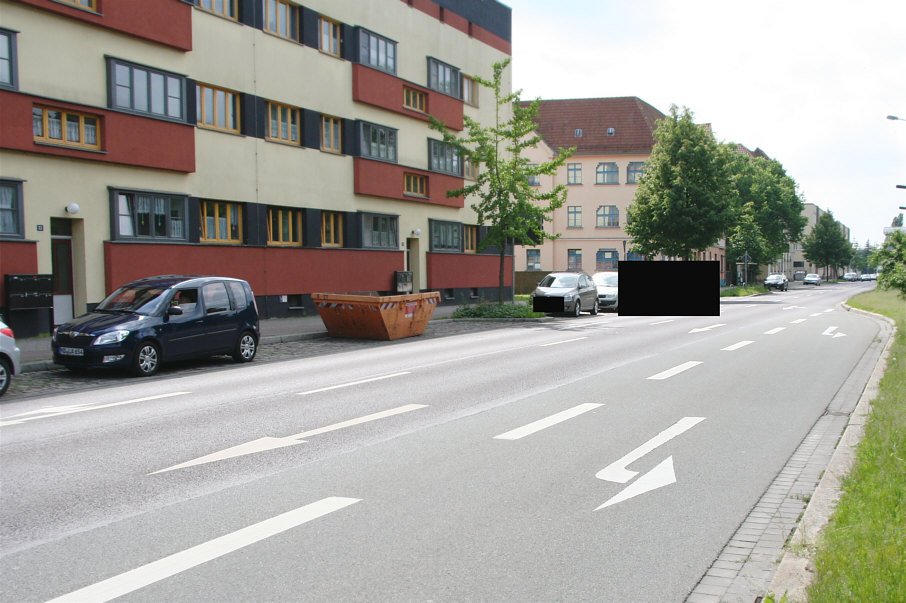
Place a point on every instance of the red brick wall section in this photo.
(387, 180)
(270, 271)
(16, 257)
(125, 139)
(167, 22)
(374, 87)
(457, 270)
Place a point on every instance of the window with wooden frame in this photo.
(330, 36)
(68, 128)
(217, 108)
(331, 229)
(331, 134)
(280, 18)
(91, 5)
(284, 227)
(415, 184)
(469, 170)
(470, 239)
(413, 99)
(224, 8)
(469, 91)
(283, 123)
(221, 222)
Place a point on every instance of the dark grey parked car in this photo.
(571, 292)
(160, 319)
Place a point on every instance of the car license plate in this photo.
(72, 351)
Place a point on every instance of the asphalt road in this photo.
(589, 459)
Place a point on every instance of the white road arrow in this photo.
(268, 443)
(829, 331)
(708, 328)
(617, 472)
(660, 476)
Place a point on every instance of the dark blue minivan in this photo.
(161, 319)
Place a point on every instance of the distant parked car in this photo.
(9, 357)
(799, 275)
(812, 279)
(608, 293)
(851, 276)
(869, 276)
(572, 292)
(777, 280)
(160, 319)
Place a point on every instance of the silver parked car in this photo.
(571, 292)
(812, 279)
(9, 357)
(608, 292)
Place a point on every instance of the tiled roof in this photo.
(631, 119)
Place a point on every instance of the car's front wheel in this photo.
(147, 359)
(6, 375)
(246, 347)
(578, 309)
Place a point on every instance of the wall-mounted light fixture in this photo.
(72, 208)
(417, 232)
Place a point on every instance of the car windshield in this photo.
(606, 279)
(139, 300)
(811, 276)
(559, 281)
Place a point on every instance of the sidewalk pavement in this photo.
(36, 354)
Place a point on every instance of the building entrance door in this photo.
(413, 263)
(61, 260)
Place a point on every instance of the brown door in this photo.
(61, 259)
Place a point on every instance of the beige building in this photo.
(283, 142)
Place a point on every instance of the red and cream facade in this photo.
(285, 143)
(613, 139)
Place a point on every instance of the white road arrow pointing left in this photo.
(269, 443)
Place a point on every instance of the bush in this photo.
(496, 311)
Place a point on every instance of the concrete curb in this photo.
(797, 570)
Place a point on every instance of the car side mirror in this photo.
(174, 311)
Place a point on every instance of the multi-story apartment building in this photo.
(284, 142)
(613, 139)
(794, 260)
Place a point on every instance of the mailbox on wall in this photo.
(29, 303)
(29, 291)
(403, 281)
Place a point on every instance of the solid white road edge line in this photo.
(527, 430)
(324, 389)
(179, 562)
(675, 370)
(68, 410)
(736, 346)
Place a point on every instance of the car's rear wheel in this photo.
(246, 347)
(6, 375)
(594, 309)
(147, 359)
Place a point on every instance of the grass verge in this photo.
(862, 553)
(742, 291)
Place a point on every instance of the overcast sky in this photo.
(810, 82)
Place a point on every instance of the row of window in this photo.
(606, 173)
(284, 18)
(605, 259)
(606, 216)
(148, 216)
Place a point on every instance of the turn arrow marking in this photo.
(660, 476)
(269, 443)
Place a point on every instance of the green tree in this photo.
(862, 258)
(826, 245)
(513, 210)
(897, 221)
(745, 238)
(681, 205)
(777, 207)
(890, 259)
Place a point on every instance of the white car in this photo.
(812, 279)
(9, 357)
(608, 292)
